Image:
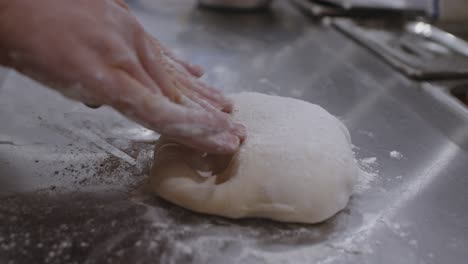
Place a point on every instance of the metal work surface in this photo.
(70, 176)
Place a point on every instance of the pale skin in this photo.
(96, 51)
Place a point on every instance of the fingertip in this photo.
(240, 131)
(225, 143)
(227, 105)
(222, 143)
(225, 101)
(196, 70)
(93, 105)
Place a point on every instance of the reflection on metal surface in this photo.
(443, 95)
(454, 125)
(440, 36)
(421, 28)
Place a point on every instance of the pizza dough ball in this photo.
(296, 165)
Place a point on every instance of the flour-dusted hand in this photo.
(95, 51)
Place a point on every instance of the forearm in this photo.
(3, 5)
(4, 32)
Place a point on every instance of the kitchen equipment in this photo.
(416, 48)
(402, 5)
(235, 4)
(359, 8)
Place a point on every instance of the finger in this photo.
(224, 103)
(160, 114)
(92, 105)
(159, 69)
(137, 71)
(122, 4)
(186, 88)
(193, 100)
(240, 131)
(195, 70)
(176, 86)
(237, 130)
(222, 143)
(212, 95)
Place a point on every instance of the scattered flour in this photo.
(368, 174)
(365, 178)
(369, 161)
(396, 155)
(366, 133)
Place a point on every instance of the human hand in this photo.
(95, 51)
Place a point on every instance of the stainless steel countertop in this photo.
(68, 174)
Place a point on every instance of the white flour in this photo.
(396, 155)
(369, 173)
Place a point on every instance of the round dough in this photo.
(296, 165)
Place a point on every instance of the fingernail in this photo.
(198, 69)
(227, 105)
